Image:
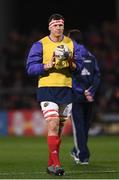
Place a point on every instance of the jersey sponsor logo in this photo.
(85, 72)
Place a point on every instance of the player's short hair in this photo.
(55, 17)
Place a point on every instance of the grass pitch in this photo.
(26, 158)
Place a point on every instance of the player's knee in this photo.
(51, 115)
(53, 125)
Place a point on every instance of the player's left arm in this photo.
(75, 61)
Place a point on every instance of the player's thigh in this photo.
(65, 111)
(50, 110)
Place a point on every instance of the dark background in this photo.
(26, 16)
(34, 14)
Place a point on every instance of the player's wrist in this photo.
(72, 64)
(46, 67)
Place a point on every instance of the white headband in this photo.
(56, 22)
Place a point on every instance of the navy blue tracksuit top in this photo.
(89, 78)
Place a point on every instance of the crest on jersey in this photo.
(85, 72)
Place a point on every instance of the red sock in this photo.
(58, 147)
(50, 161)
(53, 145)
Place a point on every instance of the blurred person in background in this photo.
(54, 83)
(85, 85)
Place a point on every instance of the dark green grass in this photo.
(26, 158)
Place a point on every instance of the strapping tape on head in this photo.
(56, 22)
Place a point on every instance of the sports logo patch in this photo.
(85, 72)
(46, 104)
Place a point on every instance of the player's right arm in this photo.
(34, 64)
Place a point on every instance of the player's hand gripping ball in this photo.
(62, 52)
